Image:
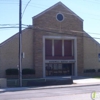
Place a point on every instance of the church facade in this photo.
(54, 45)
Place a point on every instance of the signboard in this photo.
(60, 61)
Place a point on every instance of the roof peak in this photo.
(59, 3)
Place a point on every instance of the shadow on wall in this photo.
(3, 83)
(92, 72)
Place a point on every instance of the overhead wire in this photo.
(10, 27)
(25, 26)
(92, 1)
(25, 7)
(49, 15)
(55, 10)
(44, 8)
(47, 30)
(41, 29)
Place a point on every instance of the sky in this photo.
(88, 10)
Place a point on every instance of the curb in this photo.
(48, 87)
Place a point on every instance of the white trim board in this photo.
(60, 37)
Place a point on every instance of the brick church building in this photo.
(54, 45)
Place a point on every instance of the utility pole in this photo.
(20, 43)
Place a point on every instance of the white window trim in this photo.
(72, 47)
(57, 18)
(52, 47)
(62, 47)
(62, 38)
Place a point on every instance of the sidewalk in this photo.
(77, 83)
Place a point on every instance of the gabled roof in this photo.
(89, 36)
(59, 3)
(1, 44)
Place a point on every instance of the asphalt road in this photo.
(72, 93)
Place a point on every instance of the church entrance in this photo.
(65, 69)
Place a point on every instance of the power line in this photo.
(25, 8)
(11, 24)
(27, 26)
(42, 6)
(45, 5)
(48, 30)
(10, 27)
(92, 1)
(41, 29)
(48, 15)
(93, 15)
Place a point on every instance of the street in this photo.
(76, 93)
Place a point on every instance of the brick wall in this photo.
(91, 51)
(48, 22)
(9, 52)
(32, 41)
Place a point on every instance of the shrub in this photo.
(98, 70)
(27, 71)
(11, 71)
(89, 71)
